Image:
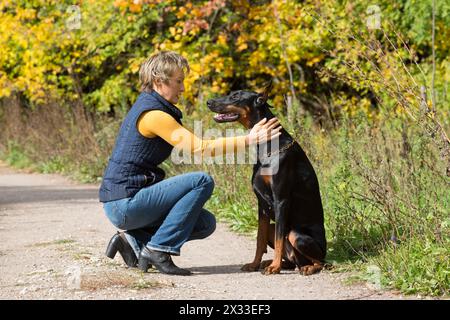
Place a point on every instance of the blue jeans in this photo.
(167, 214)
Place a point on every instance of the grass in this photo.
(64, 241)
(15, 156)
(419, 266)
(83, 255)
(93, 282)
(55, 242)
(142, 284)
(237, 209)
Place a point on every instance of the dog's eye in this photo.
(235, 95)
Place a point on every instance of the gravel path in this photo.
(53, 235)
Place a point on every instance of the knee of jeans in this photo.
(206, 180)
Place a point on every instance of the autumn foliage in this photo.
(90, 51)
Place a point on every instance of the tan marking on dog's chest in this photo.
(267, 179)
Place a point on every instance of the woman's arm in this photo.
(158, 123)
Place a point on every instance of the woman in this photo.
(159, 215)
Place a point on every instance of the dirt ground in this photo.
(54, 233)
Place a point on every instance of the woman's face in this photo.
(172, 89)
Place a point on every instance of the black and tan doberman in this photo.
(287, 190)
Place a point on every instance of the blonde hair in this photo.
(160, 66)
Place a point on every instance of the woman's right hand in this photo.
(264, 131)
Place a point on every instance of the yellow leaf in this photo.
(241, 47)
(313, 61)
(222, 39)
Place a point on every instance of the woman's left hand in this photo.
(264, 131)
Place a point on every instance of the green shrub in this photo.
(15, 156)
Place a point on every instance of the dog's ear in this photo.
(262, 97)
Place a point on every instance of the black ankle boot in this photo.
(119, 243)
(161, 260)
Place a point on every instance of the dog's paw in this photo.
(265, 264)
(250, 267)
(272, 269)
(310, 269)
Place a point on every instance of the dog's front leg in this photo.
(261, 241)
(280, 235)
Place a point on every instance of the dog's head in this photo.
(246, 107)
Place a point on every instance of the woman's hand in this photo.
(264, 131)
